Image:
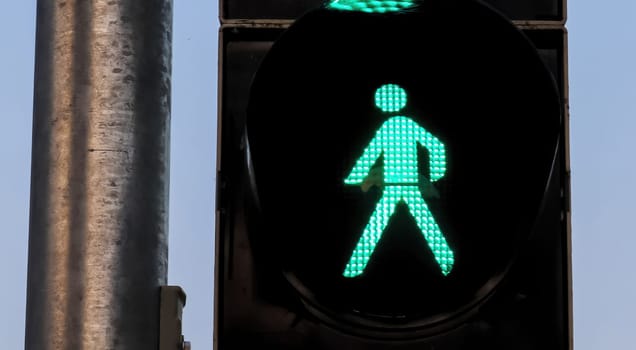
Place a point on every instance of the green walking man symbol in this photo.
(396, 141)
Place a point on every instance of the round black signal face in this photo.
(399, 160)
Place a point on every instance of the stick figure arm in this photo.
(363, 165)
(436, 153)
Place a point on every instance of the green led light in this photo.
(370, 6)
(397, 141)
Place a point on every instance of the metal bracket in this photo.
(173, 299)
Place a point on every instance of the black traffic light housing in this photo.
(265, 298)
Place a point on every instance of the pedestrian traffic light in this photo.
(399, 158)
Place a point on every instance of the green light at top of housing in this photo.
(370, 6)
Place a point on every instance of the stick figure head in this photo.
(390, 98)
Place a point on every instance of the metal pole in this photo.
(98, 244)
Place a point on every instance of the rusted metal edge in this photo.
(285, 23)
(257, 23)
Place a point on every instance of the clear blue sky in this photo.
(603, 123)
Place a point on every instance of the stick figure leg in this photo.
(426, 222)
(372, 232)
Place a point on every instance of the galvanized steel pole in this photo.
(98, 245)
